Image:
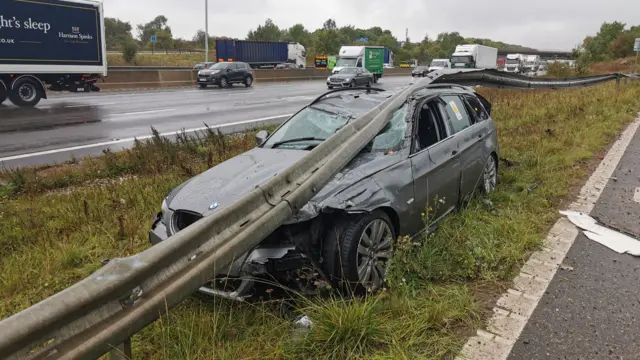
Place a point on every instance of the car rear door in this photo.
(469, 134)
(436, 169)
(235, 74)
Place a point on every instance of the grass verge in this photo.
(59, 223)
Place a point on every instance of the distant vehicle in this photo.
(439, 148)
(56, 43)
(389, 58)
(514, 63)
(225, 74)
(474, 56)
(532, 62)
(420, 71)
(261, 53)
(409, 63)
(439, 64)
(350, 77)
(321, 62)
(203, 65)
(286, 66)
(366, 57)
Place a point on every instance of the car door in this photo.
(435, 168)
(469, 135)
(235, 74)
(360, 78)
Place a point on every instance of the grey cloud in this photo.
(544, 24)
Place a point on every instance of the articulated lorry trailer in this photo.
(261, 53)
(54, 43)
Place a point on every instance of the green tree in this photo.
(297, 33)
(267, 32)
(116, 32)
(146, 31)
(198, 40)
(129, 50)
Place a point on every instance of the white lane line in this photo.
(88, 105)
(119, 141)
(516, 306)
(142, 112)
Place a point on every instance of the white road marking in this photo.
(516, 306)
(636, 195)
(88, 105)
(131, 139)
(142, 112)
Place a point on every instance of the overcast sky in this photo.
(542, 24)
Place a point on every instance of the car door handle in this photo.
(454, 153)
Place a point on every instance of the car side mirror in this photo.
(261, 137)
(229, 70)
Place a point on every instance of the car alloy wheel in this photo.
(224, 82)
(248, 81)
(374, 250)
(490, 175)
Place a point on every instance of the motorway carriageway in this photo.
(86, 124)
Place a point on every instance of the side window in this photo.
(477, 107)
(430, 127)
(233, 66)
(359, 63)
(457, 113)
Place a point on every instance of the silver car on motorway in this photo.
(438, 148)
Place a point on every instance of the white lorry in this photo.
(514, 63)
(532, 63)
(50, 43)
(474, 56)
(439, 64)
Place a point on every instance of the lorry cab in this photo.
(297, 54)
(463, 57)
(370, 58)
(474, 56)
(514, 63)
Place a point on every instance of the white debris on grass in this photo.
(616, 241)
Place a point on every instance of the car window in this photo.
(430, 126)
(392, 136)
(309, 122)
(456, 112)
(476, 107)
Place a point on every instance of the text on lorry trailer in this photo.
(29, 24)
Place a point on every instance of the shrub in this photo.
(129, 51)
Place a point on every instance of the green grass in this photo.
(159, 59)
(59, 223)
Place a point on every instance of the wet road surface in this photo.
(85, 124)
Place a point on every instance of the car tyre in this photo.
(248, 81)
(369, 83)
(352, 83)
(490, 175)
(357, 252)
(202, 86)
(26, 94)
(224, 82)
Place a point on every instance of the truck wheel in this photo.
(25, 93)
(3, 96)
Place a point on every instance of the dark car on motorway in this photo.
(437, 149)
(286, 66)
(350, 77)
(420, 71)
(225, 74)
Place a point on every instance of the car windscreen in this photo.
(348, 71)
(438, 63)
(219, 66)
(420, 68)
(346, 62)
(392, 136)
(308, 123)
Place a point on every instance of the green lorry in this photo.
(368, 57)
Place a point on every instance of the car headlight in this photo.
(347, 79)
(329, 78)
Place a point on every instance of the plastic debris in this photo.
(304, 321)
(616, 241)
(566, 267)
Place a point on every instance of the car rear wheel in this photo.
(358, 252)
(490, 175)
(224, 82)
(248, 81)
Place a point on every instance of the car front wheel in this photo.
(224, 82)
(358, 252)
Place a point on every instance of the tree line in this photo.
(323, 41)
(613, 41)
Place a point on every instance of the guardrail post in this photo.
(122, 351)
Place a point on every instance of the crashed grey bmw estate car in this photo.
(439, 147)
